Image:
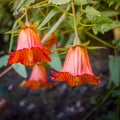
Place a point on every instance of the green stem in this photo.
(76, 40)
(27, 23)
(99, 40)
(100, 104)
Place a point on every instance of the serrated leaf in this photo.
(3, 60)
(20, 69)
(81, 2)
(49, 16)
(114, 66)
(56, 61)
(104, 24)
(59, 2)
(92, 11)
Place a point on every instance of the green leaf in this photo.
(117, 1)
(81, 2)
(12, 32)
(21, 24)
(110, 13)
(51, 14)
(85, 44)
(95, 47)
(92, 11)
(114, 66)
(56, 61)
(54, 27)
(29, 2)
(20, 69)
(3, 60)
(20, 2)
(104, 24)
(59, 2)
(70, 39)
(35, 24)
(19, 7)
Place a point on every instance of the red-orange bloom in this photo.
(38, 78)
(77, 68)
(29, 49)
(50, 41)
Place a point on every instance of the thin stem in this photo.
(5, 71)
(99, 104)
(99, 40)
(76, 40)
(27, 23)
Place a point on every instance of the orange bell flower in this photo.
(77, 69)
(29, 49)
(38, 78)
(50, 41)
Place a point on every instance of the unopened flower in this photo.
(29, 49)
(38, 78)
(77, 69)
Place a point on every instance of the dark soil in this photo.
(60, 103)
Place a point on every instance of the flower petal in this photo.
(75, 80)
(36, 85)
(29, 57)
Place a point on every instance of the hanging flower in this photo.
(29, 49)
(38, 78)
(77, 68)
(50, 41)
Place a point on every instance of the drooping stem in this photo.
(99, 104)
(99, 40)
(5, 71)
(27, 23)
(76, 40)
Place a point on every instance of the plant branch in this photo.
(99, 40)
(5, 71)
(76, 40)
(99, 104)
